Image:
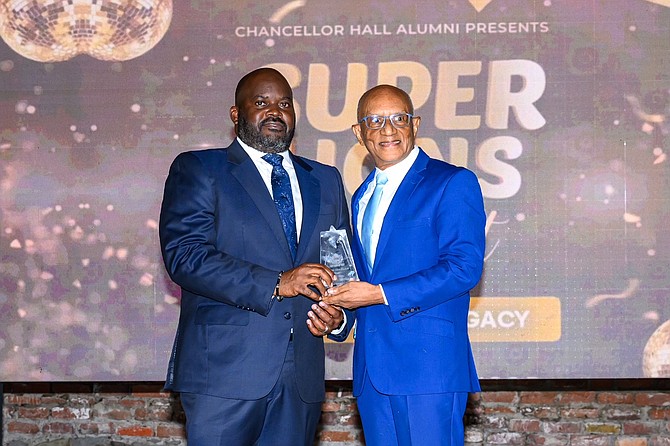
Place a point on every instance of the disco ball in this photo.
(58, 30)
(656, 356)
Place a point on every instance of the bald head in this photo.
(253, 77)
(382, 91)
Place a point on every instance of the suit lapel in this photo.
(398, 205)
(310, 190)
(247, 175)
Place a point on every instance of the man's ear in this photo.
(233, 114)
(416, 121)
(356, 128)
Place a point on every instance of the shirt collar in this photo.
(257, 155)
(397, 172)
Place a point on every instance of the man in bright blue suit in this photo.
(240, 233)
(419, 252)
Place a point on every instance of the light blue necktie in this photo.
(369, 216)
(283, 198)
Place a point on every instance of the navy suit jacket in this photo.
(223, 243)
(430, 254)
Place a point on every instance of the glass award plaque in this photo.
(336, 255)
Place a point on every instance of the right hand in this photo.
(299, 280)
(324, 318)
(354, 294)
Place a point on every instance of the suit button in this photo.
(287, 315)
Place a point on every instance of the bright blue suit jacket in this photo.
(430, 255)
(223, 244)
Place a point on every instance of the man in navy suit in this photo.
(418, 256)
(248, 358)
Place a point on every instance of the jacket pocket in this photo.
(428, 325)
(220, 315)
(414, 223)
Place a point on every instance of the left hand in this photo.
(354, 294)
(308, 279)
(324, 318)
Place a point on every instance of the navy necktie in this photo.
(283, 198)
(369, 216)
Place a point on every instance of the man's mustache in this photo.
(279, 120)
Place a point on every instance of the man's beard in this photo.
(265, 143)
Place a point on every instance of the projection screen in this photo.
(559, 106)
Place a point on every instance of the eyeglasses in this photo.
(398, 120)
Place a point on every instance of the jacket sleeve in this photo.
(343, 223)
(187, 233)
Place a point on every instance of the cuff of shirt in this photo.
(386, 302)
(340, 329)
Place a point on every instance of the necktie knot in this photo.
(381, 179)
(273, 158)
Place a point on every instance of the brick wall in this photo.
(626, 413)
